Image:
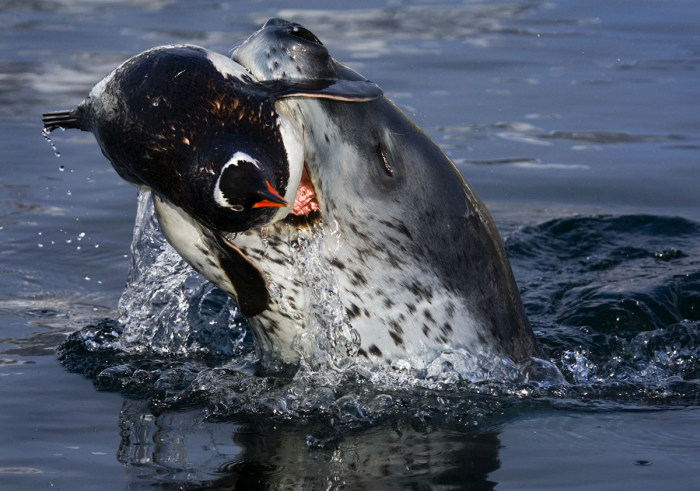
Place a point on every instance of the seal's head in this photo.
(290, 61)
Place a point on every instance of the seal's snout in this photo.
(303, 33)
(284, 50)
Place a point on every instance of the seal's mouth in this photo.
(305, 202)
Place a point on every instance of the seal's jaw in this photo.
(300, 189)
(293, 141)
(291, 62)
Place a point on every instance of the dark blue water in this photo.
(577, 124)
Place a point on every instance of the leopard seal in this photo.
(419, 264)
(400, 242)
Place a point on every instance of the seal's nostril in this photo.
(303, 33)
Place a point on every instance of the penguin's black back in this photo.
(164, 117)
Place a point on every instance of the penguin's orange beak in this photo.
(270, 198)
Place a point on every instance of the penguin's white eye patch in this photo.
(236, 160)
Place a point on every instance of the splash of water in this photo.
(329, 340)
(610, 350)
(161, 304)
(168, 312)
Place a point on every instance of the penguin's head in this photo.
(243, 185)
(236, 187)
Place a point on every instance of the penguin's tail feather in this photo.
(62, 119)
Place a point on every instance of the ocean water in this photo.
(577, 124)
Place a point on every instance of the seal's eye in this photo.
(304, 33)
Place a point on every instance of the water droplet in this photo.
(45, 134)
